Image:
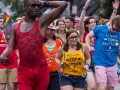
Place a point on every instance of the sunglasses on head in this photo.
(35, 5)
(52, 29)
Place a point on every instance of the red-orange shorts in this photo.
(33, 79)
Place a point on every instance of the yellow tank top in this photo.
(73, 63)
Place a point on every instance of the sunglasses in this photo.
(114, 29)
(73, 37)
(5, 63)
(35, 5)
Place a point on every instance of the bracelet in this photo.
(60, 63)
(84, 8)
(87, 64)
(45, 3)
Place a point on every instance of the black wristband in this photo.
(45, 3)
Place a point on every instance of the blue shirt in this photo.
(106, 46)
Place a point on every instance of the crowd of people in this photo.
(51, 53)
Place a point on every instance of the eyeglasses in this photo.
(73, 37)
(92, 22)
(34, 5)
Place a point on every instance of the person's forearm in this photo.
(53, 3)
(82, 15)
(57, 60)
(59, 7)
(87, 41)
(6, 52)
(81, 24)
(88, 61)
(113, 14)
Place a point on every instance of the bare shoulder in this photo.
(14, 26)
(60, 49)
(42, 21)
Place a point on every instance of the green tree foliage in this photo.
(108, 8)
(15, 6)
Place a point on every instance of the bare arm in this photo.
(119, 61)
(87, 55)
(17, 52)
(88, 37)
(59, 7)
(11, 44)
(87, 58)
(81, 23)
(59, 55)
(115, 8)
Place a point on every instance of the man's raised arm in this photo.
(59, 7)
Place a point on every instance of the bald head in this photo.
(26, 2)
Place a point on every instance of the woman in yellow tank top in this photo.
(74, 60)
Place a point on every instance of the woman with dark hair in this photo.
(89, 24)
(74, 60)
(50, 48)
(85, 27)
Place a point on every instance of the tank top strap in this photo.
(36, 23)
(19, 24)
(18, 27)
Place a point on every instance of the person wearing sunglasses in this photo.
(74, 60)
(105, 52)
(86, 27)
(28, 36)
(50, 48)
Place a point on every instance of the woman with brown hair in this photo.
(61, 33)
(74, 60)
